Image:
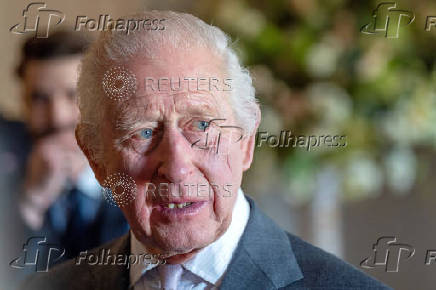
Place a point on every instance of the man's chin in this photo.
(181, 243)
(181, 258)
(179, 247)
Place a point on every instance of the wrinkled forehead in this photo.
(173, 63)
(188, 102)
(184, 82)
(164, 107)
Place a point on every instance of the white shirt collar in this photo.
(211, 262)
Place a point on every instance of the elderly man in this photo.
(168, 122)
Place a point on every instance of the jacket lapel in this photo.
(264, 258)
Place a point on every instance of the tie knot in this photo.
(170, 275)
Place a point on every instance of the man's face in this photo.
(50, 94)
(158, 138)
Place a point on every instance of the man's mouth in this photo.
(176, 210)
(172, 205)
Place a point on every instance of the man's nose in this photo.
(176, 165)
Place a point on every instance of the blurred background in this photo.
(315, 73)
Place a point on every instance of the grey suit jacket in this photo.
(266, 258)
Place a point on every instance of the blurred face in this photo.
(186, 187)
(50, 95)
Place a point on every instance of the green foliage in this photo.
(329, 77)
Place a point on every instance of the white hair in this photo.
(181, 31)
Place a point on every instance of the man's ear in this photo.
(249, 142)
(99, 173)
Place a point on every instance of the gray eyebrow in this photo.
(132, 112)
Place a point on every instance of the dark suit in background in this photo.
(87, 221)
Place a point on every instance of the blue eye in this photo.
(203, 125)
(146, 133)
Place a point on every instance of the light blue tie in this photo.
(170, 275)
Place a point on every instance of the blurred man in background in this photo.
(56, 194)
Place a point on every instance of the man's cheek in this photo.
(219, 176)
(141, 208)
(223, 206)
(204, 190)
(137, 165)
(227, 190)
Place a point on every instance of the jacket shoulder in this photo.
(75, 275)
(324, 270)
(66, 276)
